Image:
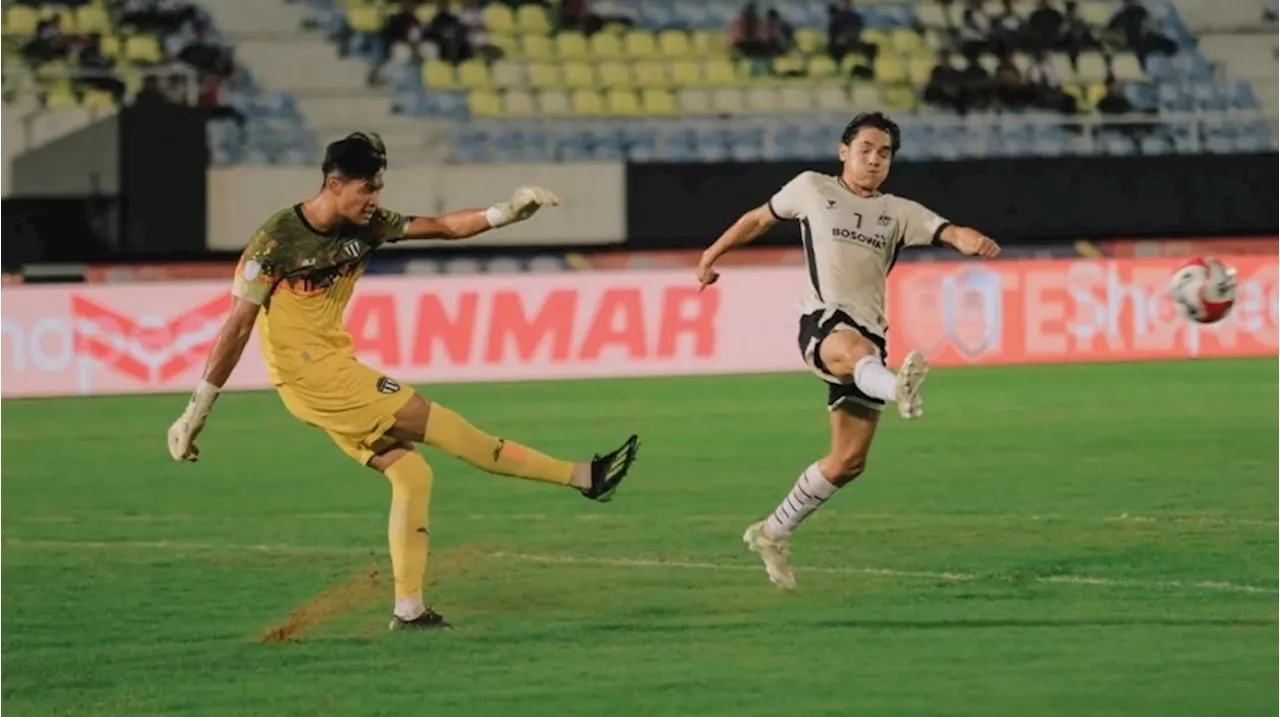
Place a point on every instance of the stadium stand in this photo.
(666, 80)
(76, 56)
(676, 80)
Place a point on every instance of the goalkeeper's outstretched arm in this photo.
(466, 223)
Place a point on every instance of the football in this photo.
(1204, 289)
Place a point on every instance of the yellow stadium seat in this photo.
(587, 102)
(1091, 67)
(728, 100)
(439, 75)
(711, 44)
(1098, 13)
(532, 20)
(545, 74)
(890, 69)
(364, 18)
(721, 72)
(474, 74)
(651, 74)
(674, 44)
(822, 67)
(111, 46)
(1091, 94)
(641, 44)
(796, 98)
(98, 99)
(866, 97)
(832, 97)
(614, 74)
(657, 102)
(554, 103)
(919, 68)
(508, 74)
(424, 14)
(578, 74)
(880, 38)
(931, 14)
(906, 42)
(91, 19)
(20, 20)
(605, 45)
(61, 98)
(686, 73)
(783, 66)
(763, 100)
(1062, 64)
(484, 104)
(536, 47)
(509, 44)
(851, 62)
(622, 103)
(518, 103)
(571, 46)
(692, 101)
(499, 19)
(143, 49)
(898, 98)
(809, 41)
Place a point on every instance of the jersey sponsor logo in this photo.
(149, 348)
(879, 241)
(387, 385)
(252, 270)
(351, 248)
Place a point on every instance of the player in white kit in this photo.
(852, 234)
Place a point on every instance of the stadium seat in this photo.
(536, 47)
(686, 73)
(898, 98)
(931, 15)
(571, 46)
(587, 103)
(657, 102)
(519, 103)
(555, 103)
(641, 45)
(728, 100)
(531, 20)
(507, 73)
(721, 72)
(544, 74)
(483, 103)
(498, 19)
(614, 74)
(796, 98)
(622, 103)
(919, 68)
(474, 74)
(837, 98)
(711, 44)
(907, 42)
(438, 76)
(579, 74)
(91, 19)
(783, 66)
(98, 99)
(866, 96)
(143, 50)
(890, 69)
(822, 67)
(651, 74)
(1091, 67)
(693, 101)
(809, 41)
(1125, 68)
(763, 100)
(364, 19)
(605, 45)
(674, 44)
(424, 14)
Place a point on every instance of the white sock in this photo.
(809, 492)
(410, 608)
(872, 378)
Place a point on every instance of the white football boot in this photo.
(774, 554)
(911, 376)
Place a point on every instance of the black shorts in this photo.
(816, 327)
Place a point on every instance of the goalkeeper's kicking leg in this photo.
(421, 421)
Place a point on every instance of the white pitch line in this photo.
(666, 564)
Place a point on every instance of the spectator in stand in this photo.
(976, 30)
(1113, 102)
(574, 15)
(1008, 33)
(748, 32)
(946, 85)
(844, 33)
(472, 18)
(1009, 88)
(612, 12)
(781, 36)
(151, 94)
(203, 55)
(449, 34)
(1132, 29)
(98, 68)
(1077, 36)
(48, 44)
(1045, 27)
(1045, 85)
(975, 85)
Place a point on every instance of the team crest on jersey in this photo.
(884, 220)
(387, 385)
(351, 248)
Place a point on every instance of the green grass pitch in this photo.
(1066, 540)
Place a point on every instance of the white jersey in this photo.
(851, 242)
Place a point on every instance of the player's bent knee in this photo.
(842, 350)
(388, 456)
(842, 469)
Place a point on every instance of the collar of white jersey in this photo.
(849, 189)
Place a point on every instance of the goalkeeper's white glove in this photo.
(524, 203)
(183, 432)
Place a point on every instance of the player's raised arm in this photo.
(783, 205)
(921, 227)
(255, 278)
(466, 223)
(969, 241)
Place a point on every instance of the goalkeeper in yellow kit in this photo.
(293, 282)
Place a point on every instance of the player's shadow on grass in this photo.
(995, 624)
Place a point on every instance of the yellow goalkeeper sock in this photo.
(407, 531)
(452, 434)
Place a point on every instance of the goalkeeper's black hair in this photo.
(359, 155)
(875, 120)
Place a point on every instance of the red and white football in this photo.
(1204, 289)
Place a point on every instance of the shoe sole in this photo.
(751, 545)
(916, 369)
(632, 448)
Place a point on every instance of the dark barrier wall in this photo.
(1014, 200)
(81, 163)
(163, 181)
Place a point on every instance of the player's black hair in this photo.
(876, 120)
(359, 155)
